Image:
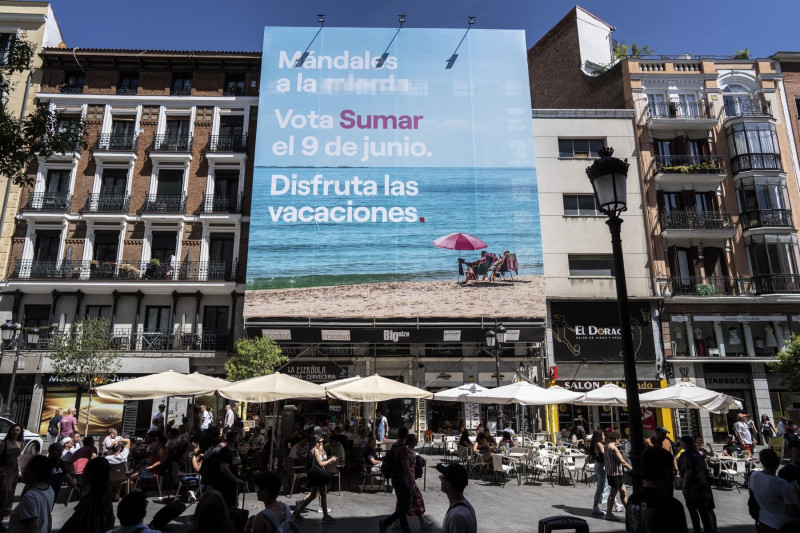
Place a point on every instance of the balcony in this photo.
(172, 143)
(221, 203)
(227, 143)
(71, 89)
(107, 203)
(127, 91)
(49, 201)
(180, 91)
(756, 162)
(164, 203)
(116, 143)
(702, 172)
(149, 341)
(767, 218)
(776, 284)
(692, 220)
(747, 107)
(126, 271)
(703, 286)
(233, 90)
(661, 116)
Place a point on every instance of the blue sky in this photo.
(699, 27)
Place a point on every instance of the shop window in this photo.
(678, 342)
(591, 265)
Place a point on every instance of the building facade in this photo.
(147, 227)
(718, 177)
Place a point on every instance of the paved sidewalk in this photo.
(508, 509)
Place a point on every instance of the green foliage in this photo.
(742, 54)
(85, 356)
(788, 365)
(39, 133)
(254, 358)
(706, 290)
(622, 50)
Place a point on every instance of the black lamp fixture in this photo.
(8, 332)
(608, 176)
(321, 19)
(401, 19)
(471, 20)
(495, 338)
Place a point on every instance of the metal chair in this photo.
(294, 472)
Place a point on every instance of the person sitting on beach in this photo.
(498, 265)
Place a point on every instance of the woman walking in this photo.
(696, 489)
(614, 462)
(767, 429)
(417, 503)
(318, 480)
(597, 451)
(10, 450)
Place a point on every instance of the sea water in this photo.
(498, 205)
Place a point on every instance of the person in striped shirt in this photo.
(614, 463)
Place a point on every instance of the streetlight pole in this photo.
(9, 332)
(494, 340)
(608, 175)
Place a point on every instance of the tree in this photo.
(41, 132)
(85, 356)
(742, 54)
(254, 358)
(622, 50)
(788, 365)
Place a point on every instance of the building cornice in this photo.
(583, 113)
(165, 100)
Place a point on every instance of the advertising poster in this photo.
(374, 142)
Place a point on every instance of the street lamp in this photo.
(495, 339)
(608, 175)
(8, 331)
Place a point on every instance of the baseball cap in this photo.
(66, 440)
(661, 429)
(455, 474)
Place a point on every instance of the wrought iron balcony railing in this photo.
(776, 284)
(233, 90)
(158, 341)
(767, 218)
(680, 110)
(71, 89)
(164, 203)
(227, 143)
(221, 203)
(692, 220)
(108, 203)
(180, 91)
(703, 286)
(172, 143)
(687, 164)
(126, 270)
(747, 107)
(116, 143)
(745, 162)
(49, 201)
(127, 90)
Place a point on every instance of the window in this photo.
(591, 265)
(36, 316)
(128, 84)
(772, 254)
(753, 145)
(580, 205)
(6, 45)
(797, 106)
(234, 85)
(157, 318)
(580, 147)
(181, 85)
(98, 311)
(73, 84)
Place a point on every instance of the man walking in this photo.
(651, 509)
(381, 427)
(743, 433)
(68, 423)
(205, 419)
(229, 418)
(460, 517)
(401, 482)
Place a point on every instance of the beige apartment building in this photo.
(718, 174)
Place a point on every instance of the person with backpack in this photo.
(53, 428)
(395, 467)
(276, 516)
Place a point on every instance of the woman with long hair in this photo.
(696, 489)
(767, 429)
(94, 513)
(211, 515)
(614, 463)
(10, 450)
(597, 452)
(318, 480)
(417, 503)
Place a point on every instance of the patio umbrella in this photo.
(376, 389)
(525, 393)
(338, 382)
(462, 393)
(169, 383)
(690, 396)
(271, 388)
(608, 394)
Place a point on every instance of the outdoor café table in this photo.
(515, 459)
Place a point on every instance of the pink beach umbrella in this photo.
(459, 241)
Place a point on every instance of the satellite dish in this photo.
(62, 44)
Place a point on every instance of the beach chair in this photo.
(483, 269)
(508, 266)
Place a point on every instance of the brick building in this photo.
(718, 175)
(147, 226)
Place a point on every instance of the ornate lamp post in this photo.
(9, 332)
(495, 338)
(608, 176)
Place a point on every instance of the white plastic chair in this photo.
(501, 467)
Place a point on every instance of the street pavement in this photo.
(509, 509)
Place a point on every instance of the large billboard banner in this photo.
(373, 142)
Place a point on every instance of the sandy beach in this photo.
(523, 297)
